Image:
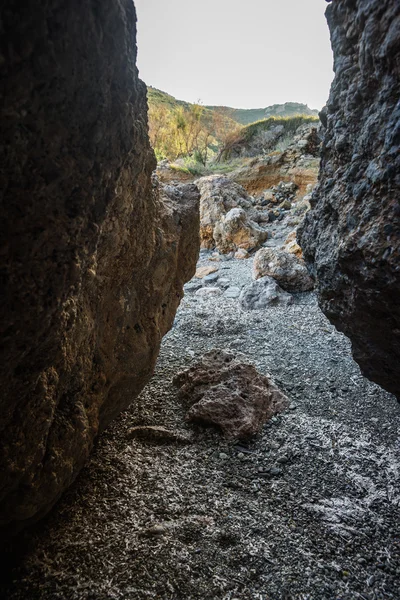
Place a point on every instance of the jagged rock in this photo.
(351, 237)
(235, 230)
(287, 269)
(228, 219)
(297, 164)
(93, 257)
(292, 246)
(226, 391)
(263, 293)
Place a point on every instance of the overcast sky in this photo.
(239, 53)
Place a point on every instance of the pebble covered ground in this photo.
(308, 509)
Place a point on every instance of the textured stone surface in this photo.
(92, 258)
(351, 237)
(236, 231)
(228, 219)
(292, 246)
(226, 391)
(298, 163)
(287, 269)
(263, 293)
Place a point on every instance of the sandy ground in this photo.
(309, 509)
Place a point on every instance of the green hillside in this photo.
(242, 116)
(246, 116)
(178, 128)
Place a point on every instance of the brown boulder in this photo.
(93, 257)
(228, 219)
(226, 391)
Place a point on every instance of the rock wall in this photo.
(92, 257)
(351, 236)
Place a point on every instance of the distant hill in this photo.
(246, 116)
(179, 128)
(155, 96)
(243, 116)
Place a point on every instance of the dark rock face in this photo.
(351, 236)
(92, 256)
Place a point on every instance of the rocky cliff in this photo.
(92, 256)
(351, 237)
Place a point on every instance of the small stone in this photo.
(232, 292)
(209, 291)
(241, 253)
(223, 456)
(275, 471)
(154, 434)
(240, 455)
(154, 531)
(204, 271)
(224, 282)
(193, 286)
(211, 278)
(283, 459)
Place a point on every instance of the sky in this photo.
(238, 53)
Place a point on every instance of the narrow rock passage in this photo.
(308, 509)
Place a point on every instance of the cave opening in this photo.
(200, 300)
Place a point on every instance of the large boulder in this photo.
(263, 293)
(351, 237)
(235, 231)
(287, 269)
(226, 391)
(93, 256)
(228, 219)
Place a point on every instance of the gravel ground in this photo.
(309, 509)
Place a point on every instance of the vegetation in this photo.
(243, 138)
(180, 129)
(203, 136)
(247, 116)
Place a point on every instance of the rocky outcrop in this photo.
(227, 216)
(287, 269)
(298, 163)
(351, 237)
(93, 257)
(224, 390)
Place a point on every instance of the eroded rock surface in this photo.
(228, 219)
(93, 256)
(263, 293)
(287, 269)
(298, 163)
(226, 391)
(351, 237)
